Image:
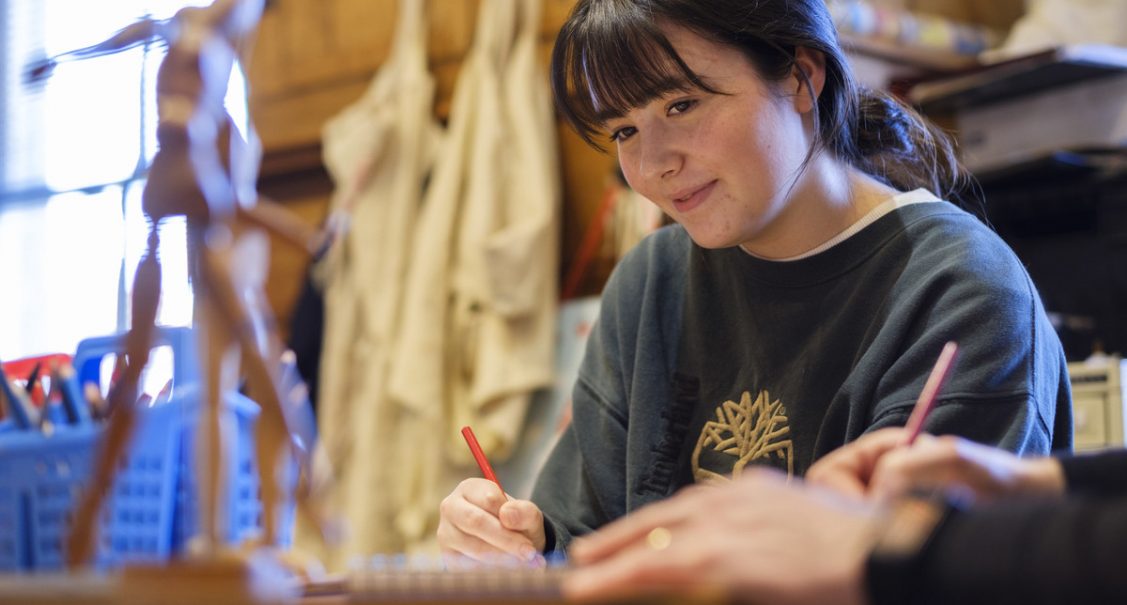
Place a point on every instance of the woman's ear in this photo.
(808, 77)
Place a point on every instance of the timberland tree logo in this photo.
(742, 433)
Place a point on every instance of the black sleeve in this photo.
(1027, 553)
(1100, 474)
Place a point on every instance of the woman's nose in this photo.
(659, 158)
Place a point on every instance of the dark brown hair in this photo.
(611, 56)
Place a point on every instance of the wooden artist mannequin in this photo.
(205, 172)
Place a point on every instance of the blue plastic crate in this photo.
(42, 477)
(243, 505)
(150, 512)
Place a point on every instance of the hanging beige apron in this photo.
(480, 299)
(378, 152)
(506, 273)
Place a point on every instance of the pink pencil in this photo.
(930, 393)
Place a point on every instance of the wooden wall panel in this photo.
(314, 57)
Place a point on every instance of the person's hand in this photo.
(877, 466)
(757, 537)
(965, 468)
(849, 469)
(480, 522)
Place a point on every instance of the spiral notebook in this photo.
(398, 579)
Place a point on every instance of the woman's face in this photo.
(722, 165)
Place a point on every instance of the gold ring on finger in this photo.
(659, 538)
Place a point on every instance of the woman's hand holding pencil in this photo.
(894, 462)
(877, 466)
(853, 469)
(480, 522)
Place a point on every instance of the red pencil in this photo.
(479, 455)
(930, 393)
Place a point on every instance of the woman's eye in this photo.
(622, 134)
(680, 107)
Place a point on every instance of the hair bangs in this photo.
(606, 65)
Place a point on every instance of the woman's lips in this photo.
(694, 199)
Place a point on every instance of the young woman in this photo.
(812, 278)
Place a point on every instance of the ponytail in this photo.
(894, 143)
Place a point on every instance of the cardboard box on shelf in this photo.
(1070, 97)
(1098, 394)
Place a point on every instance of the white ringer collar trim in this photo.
(916, 196)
